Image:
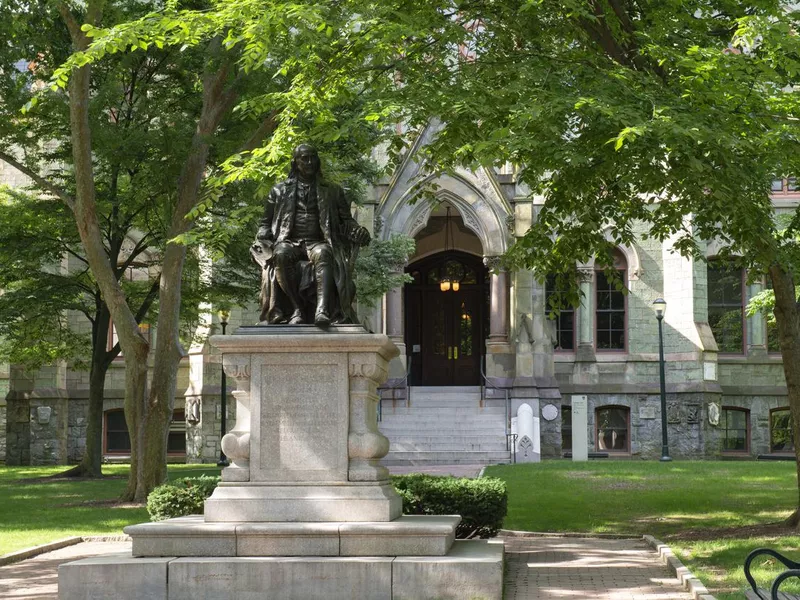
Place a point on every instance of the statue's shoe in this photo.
(321, 319)
(297, 318)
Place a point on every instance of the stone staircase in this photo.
(444, 426)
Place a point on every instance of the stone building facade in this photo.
(726, 395)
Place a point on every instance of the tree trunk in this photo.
(168, 351)
(92, 460)
(168, 354)
(786, 315)
(135, 348)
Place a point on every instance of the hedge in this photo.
(180, 497)
(482, 503)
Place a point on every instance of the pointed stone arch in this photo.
(485, 215)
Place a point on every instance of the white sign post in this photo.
(580, 425)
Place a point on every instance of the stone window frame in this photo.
(723, 426)
(566, 411)
(786, 184)
(772, 412)
(627, 411)
(621, 266)
(571, 311)
(106, 431)
(742, 305)
(767, 285)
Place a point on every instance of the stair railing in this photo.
(403, 384)
(486, 382)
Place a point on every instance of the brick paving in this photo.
(576, 569)
(536, 569)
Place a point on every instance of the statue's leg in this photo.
(321, 256)
(286, 257)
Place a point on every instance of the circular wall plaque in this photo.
(549, 412)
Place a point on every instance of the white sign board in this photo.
(580, 425)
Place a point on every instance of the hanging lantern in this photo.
(448, 281)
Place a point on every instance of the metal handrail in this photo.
(405, 385)
(486, 383)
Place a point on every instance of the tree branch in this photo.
(40, 181)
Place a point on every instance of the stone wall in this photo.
(18, 430)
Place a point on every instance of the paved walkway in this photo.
(537, 569)
(583, 569)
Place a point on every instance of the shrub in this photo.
(482, 503)
(180, 498)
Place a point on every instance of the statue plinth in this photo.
(305, 510)
(306, 445)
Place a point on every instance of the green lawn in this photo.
(711, 513)
(35, 509)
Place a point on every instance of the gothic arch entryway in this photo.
(446, 330)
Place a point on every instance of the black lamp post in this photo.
(224, 315)
(660, 306)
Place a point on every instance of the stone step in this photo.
(449, 389)
(448, 398)
(425, 412)
(405, 458)
(417, 535)
(463, 440)
(471, 569)
(412, 446)
(431, 431)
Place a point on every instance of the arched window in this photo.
(735, 426)
(780, 430)
(611, 307)
(726, 306)
(564, 321)
(612, 428)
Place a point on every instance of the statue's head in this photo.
(305, 162)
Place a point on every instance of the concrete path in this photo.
(537, 569)
(581, 569)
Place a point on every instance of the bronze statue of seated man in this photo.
(306, 245)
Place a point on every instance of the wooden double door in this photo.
(445, 329)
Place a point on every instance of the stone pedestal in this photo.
(305, 510)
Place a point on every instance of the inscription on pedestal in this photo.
(303, 420)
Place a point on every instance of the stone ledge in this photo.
(114, 577)
(414, 535)
(297, 503)
(686, 577)
(472, 569)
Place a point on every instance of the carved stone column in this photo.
(236, 443)
(394, 315)
(498, 307)
(365, 444)
(585, 350)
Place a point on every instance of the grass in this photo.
(36, 509)
(712, 514)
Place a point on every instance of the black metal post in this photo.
(664, 443)
(223, 460)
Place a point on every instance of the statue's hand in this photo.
(360, 236)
